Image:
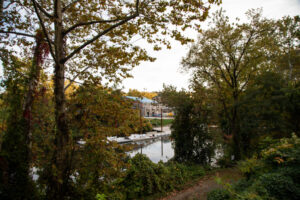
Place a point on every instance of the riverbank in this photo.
(142, 137)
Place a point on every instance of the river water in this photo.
(156, 149)
(161, 149)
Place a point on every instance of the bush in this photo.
(225, 162)
(219, 194)
(147, 126)
(280, 186)
(141, 178)
(145, 178)
(275, 176)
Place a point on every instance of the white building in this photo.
(150, 108)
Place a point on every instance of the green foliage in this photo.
(225, 59)
(147, 126)
(193, 141)
(274, 176)
(219, 194)
(145, 178)
(100, 197)
(15, 180)
(237, 62)
(280, 186)
(92, 41)
(105, 111)
(265, 112)
(268, 109)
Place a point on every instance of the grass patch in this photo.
(157, 122)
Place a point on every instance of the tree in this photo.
(289, 41)
(263, 111)
(87, 36)
(269, 108)
(14, 167)
(226, 58)
(136, 93)
(29, 90)
(193, 141)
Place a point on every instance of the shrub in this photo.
(100, 197)
(141, 179)
(145, 178)
(275, 176)
(219, 194)
(225, 162)
(147, 126)
(280, 186)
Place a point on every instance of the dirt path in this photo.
(206, 184)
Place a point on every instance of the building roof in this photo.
(141, 99)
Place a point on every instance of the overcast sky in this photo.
(166, 69)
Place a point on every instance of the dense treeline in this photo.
(245, 81)
(245, 101)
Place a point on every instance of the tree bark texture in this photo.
(29, 98)
(60, 164)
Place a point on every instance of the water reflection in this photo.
(155, 150)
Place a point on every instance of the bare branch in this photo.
(74, 78)
(246, 83)
(17, 33)
(103, 33)
(71, 4)
(231, 59)
(137, 6)
(245, 47)
(221, 70)
(43, 10)
(21, 34)
(89, 23)
(44, 30)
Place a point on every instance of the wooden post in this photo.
(141, 122)
(162, 147)
(161, 120)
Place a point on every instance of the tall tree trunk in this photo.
(1, 8)
(29, 97)
(60, 161)
(235, 129)
(290, 66)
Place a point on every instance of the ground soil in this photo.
(203, 186)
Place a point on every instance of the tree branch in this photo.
(69, 5)
(73, 79)
(43, 10)
(88, 23)
(231, 59)
(44, 30)
(21, 34)
(17, 33)
(245, 84)
(222, 73)
(245, 47)
(102, 33)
